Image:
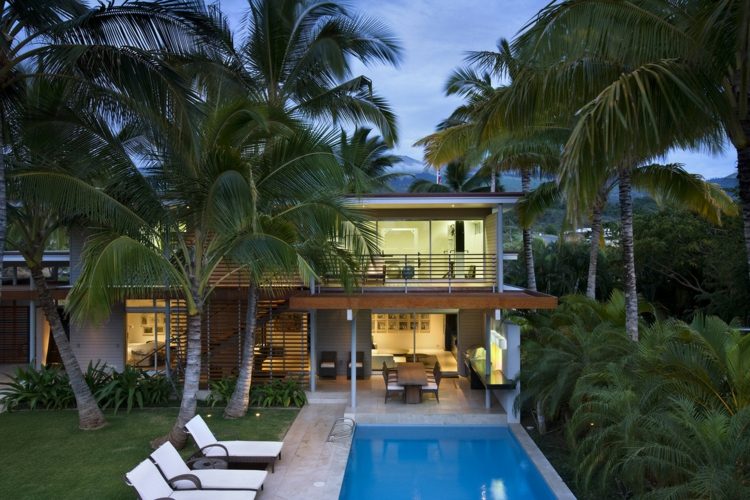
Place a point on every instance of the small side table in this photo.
(207, 463)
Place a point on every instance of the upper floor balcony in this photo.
(434, 241)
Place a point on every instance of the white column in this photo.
(352, 316)
(32, 334)
(512, 366)
(313, 326)
(499, 250)
(487, 357)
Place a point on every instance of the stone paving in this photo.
(310, 467)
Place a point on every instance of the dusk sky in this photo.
(435, 35)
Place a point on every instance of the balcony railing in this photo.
(447, 270)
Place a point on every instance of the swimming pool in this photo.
(436, 462)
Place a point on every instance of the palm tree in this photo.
(178, 246)
(458, 178)
(298, 214)
(643, 78)
(112, 48)
(665, 183)
(366, 161)
(62, 150)
(296, 55)
(467, 132)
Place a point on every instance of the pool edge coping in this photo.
(549, 474)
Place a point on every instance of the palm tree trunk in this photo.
(596, 232)
(90, 417)
(3, 205)
(528, 252)
(626, 237)
(743, 175)
(177, 436)
(238, 404)
(493, 177)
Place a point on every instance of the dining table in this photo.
(412, 377)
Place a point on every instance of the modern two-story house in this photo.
(435, 290)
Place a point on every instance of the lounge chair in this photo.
(169, 461)
(261, 452)
(327, 367)
(360, 366)
(390, 377)
(150, 485)
(433, 381)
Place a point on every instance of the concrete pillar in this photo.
(352, 316)
(512, 369)
(313, 326)
(32, 334)
(499, 250)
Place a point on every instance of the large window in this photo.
(146, 334)
(431, 237)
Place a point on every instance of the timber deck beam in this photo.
(424, 300)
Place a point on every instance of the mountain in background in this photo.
(417, 170)
(726, 183)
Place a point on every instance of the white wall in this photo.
(403, 341)
(103, 342)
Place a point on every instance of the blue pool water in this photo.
(439, 462)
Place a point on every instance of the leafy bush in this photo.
(131, 387)
(665, 417)
(221, 391)
(48, 387)
(285, 393)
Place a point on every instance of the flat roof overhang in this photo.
(433, 200)
(10, 292)
(425, 300)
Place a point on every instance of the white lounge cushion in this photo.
(171, 464)
(204, 437)
(149, 483)
(328, 364)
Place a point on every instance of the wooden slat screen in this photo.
(14, 334)
(280, 339)
(282, 349)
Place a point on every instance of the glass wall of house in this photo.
(146, 325)
(435, 249)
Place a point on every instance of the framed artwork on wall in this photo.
(392, 325)
(424, 326)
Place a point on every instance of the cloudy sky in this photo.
(435, 35)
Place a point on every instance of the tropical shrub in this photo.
(666, 417)
(48, 388)
(280, 392)
(131, 387)
(221, 391)
(285, 393)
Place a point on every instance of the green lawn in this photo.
(44, 454)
